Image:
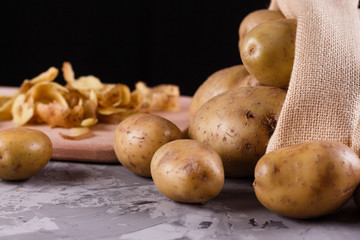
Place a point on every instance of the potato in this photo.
(219, 82)
(138, 137)
(268, 50)
(257, 17)
(307, 180)
(357, 196)
(188, 171)
(23, 152)
(238, 124)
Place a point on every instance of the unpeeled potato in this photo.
(307, 180)
(187, 170)
(137, 138)
(268, 51)
(23, 152)
(257, 17)
(221, 81)
(238, 124)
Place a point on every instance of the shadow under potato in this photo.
(238, 194)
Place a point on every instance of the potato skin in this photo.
(138, 137)
(221, 81)
(268, 51)
(187, 171)
(257, 17)
(238, 124)
(307, 180)
(23, 152)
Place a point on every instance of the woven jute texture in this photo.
(323, 99)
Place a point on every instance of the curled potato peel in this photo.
(76, 133)
(161, 97)
(68, 72)
(47, 76)
(22, 110)
(48, 92)
(114, 95)
(83, 102)
(57, 115)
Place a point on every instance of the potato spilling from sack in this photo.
(257, 17)
(220, 82)
(23, 152)
(238, 124)
(307, 180)
(188, 171)
(268, 51)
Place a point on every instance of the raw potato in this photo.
(23, 152)
(187, 171)
(219, 82)
(138, 137)
(257, 17)
(238, 124)
(307, 180)
(268, 50)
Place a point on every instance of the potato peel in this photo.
(88, 122)
(47, 76)
(68, 72)
(83, 102)
(57, 115)
(22, 110)
(77, 133)
(48, 92)
(161, 97)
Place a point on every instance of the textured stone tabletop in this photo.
(69, 200)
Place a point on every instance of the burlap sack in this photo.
(323, 99)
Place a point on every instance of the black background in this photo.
(174, 41)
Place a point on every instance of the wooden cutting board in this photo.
(99, 147)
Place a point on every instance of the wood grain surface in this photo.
(98, 147)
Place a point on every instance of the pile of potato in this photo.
(184, 170)
(232, 116)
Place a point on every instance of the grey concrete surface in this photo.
(69, 200)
